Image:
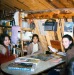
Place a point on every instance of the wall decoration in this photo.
(41, 26)
(68, 28)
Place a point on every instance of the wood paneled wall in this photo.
(51, 35)
(41, 37)
(1, 30)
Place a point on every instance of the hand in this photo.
(15, 55)
(57, 60)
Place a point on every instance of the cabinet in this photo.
(5, 29)
(22, 29)
(5, 26)
(22, 41)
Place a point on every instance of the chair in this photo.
(56, 44)
(1, 71)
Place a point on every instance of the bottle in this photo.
(14, 52)
(13, 22)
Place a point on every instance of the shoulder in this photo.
(71, 50)
(39, 43)
(2, 49)
(72, 47)
(30, 44)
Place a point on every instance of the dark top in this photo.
(70, 54)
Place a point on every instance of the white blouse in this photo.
(35, 47)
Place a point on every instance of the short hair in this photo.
(70, 39)
(35, 35)
(2, 38)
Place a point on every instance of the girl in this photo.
(35, 46)
(5, 54)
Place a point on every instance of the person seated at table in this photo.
(5, 54)
(68, 44)
(34, 46)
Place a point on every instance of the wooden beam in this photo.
(46, 4)
(1, 30)
(56, 4)
(42, 38)
(50, 35)
(66, 3)
(71, 2)
(20, 24)
(15, 3)
(60, 31)
(50, 15)
(37, 4)
(62, 3)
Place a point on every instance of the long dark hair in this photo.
(2, 38)
(35, 35)
(70, 39)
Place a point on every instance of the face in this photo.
(6, 41)
(66, 42)
(35, 40)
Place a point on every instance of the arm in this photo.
(70, 54)
(2, 49)
(5, 58)
(40, 48)
(29, 51)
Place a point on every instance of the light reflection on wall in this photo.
(26, 35)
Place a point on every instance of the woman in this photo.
(67, 42)
(35, 46)
(5, 54)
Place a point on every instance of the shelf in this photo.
(26, 29)
(5, 26)
(25, 40)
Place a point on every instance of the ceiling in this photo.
(8, 7)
